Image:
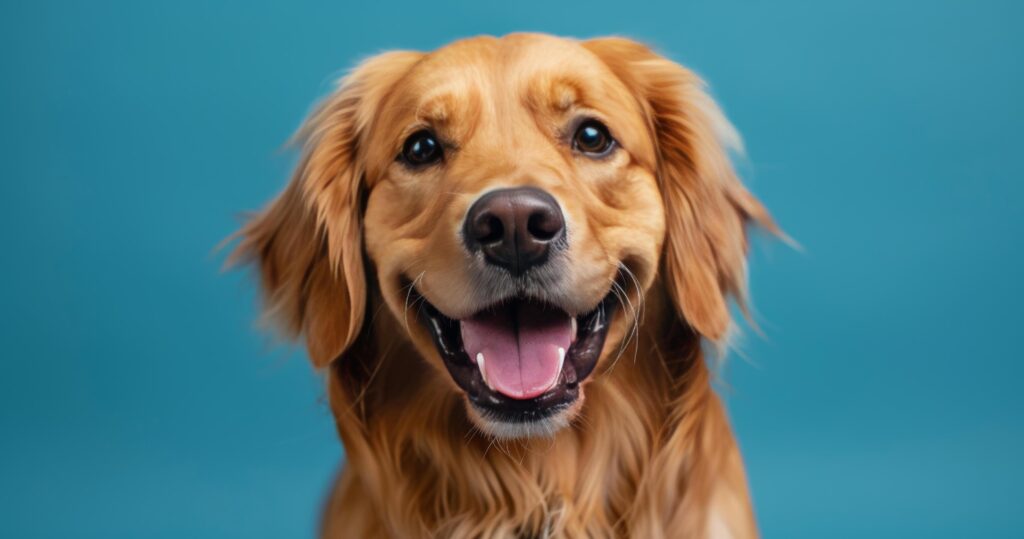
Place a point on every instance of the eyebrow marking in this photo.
(438, 109)
(554, 92)
(564, 94)
(452, 114)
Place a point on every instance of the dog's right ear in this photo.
(308, 242)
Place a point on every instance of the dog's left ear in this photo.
(706, 207)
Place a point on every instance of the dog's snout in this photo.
(514, 228)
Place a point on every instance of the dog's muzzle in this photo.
(521, 357)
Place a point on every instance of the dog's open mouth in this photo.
(521, 360)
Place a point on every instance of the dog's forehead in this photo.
(535, 70)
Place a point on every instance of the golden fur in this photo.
(649, 452)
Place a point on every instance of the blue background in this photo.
(138, 398)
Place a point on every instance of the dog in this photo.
(507, 256)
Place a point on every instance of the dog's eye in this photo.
(421, 148)
(592, 138)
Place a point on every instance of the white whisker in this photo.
(408, 296)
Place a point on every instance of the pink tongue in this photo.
(520, 346)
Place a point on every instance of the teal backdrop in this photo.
(139, 399)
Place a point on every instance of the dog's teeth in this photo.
(561, 361)
(480, 364)
(572, 333)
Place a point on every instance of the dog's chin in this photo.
(505, 427)
(521, 363)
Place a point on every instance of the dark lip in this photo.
(580, 360)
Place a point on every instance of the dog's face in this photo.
(513, 197)
(513, 185)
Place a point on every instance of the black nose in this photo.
(514, 228)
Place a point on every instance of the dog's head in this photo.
(509, 200)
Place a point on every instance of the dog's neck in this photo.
(639, 441)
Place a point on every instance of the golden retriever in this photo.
(505, 255)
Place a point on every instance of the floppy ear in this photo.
(308, 242)
(706, 206)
